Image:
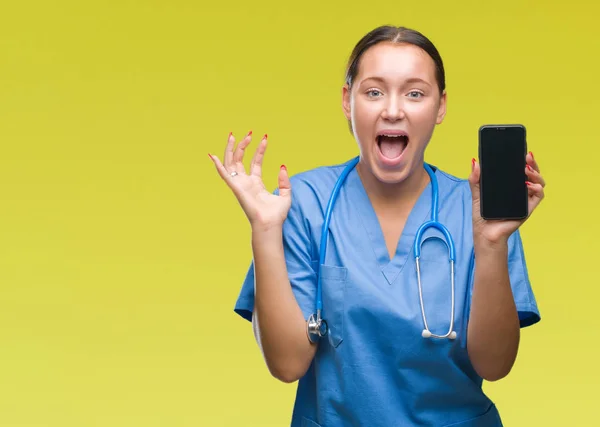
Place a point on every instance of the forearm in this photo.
(494, 331)
(278, 322)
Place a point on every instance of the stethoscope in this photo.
(316, 326)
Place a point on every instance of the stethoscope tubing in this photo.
(316, 326)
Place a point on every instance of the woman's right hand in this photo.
(263, 209)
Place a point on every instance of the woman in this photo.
(375, 365)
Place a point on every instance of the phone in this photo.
(502, 182)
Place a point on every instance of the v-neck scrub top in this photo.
(374, 368)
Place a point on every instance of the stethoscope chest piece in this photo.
(316, 328)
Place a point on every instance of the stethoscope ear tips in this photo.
(428, 334)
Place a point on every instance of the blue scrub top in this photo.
(374, 368)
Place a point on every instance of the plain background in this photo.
(122, 253)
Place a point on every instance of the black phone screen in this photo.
(503, 191)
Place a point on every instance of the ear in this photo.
(346, 102)
(442, 109)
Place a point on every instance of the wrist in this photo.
(266, 231)
(490, 247)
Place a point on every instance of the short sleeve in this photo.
(519, 281)
(297, 251)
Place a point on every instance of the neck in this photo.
(394, 195)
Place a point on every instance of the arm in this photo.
(494, 325)
(278, 322)
(277, 319)
(494, 330)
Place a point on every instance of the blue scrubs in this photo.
(374, 368)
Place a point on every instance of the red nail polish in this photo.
(250, 133)
(211, 157)
(529, 168)
(473, 161)
(230, 133)
(265, 137)
(531, 154)
(528, 183)
(283, 167)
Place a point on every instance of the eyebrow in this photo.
(382, 80)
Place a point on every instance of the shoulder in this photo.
(319, 177)
(454, 192)
(450, 182)
(314, 186)
(311, 190)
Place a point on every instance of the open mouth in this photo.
(392, 146)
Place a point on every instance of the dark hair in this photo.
(398, 35)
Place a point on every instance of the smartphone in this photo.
(502, 182)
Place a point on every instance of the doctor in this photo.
(378, 362)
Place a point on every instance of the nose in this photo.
(393, 109)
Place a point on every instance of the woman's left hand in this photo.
(496, 231)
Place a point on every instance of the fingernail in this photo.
(230, 133)
(265, 137)
(249, 133)
(529, 168)
(531, 154)
(209, 155)
(283, 167)
(472, 163)
(528, 183)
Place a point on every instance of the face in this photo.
(394, 105)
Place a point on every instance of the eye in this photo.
(415, 94)
(373, 91)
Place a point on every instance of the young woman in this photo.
(373, 339)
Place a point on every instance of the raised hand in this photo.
(492, 231)
(262, 208)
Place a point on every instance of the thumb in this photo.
(474, 180)
(283, 180)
